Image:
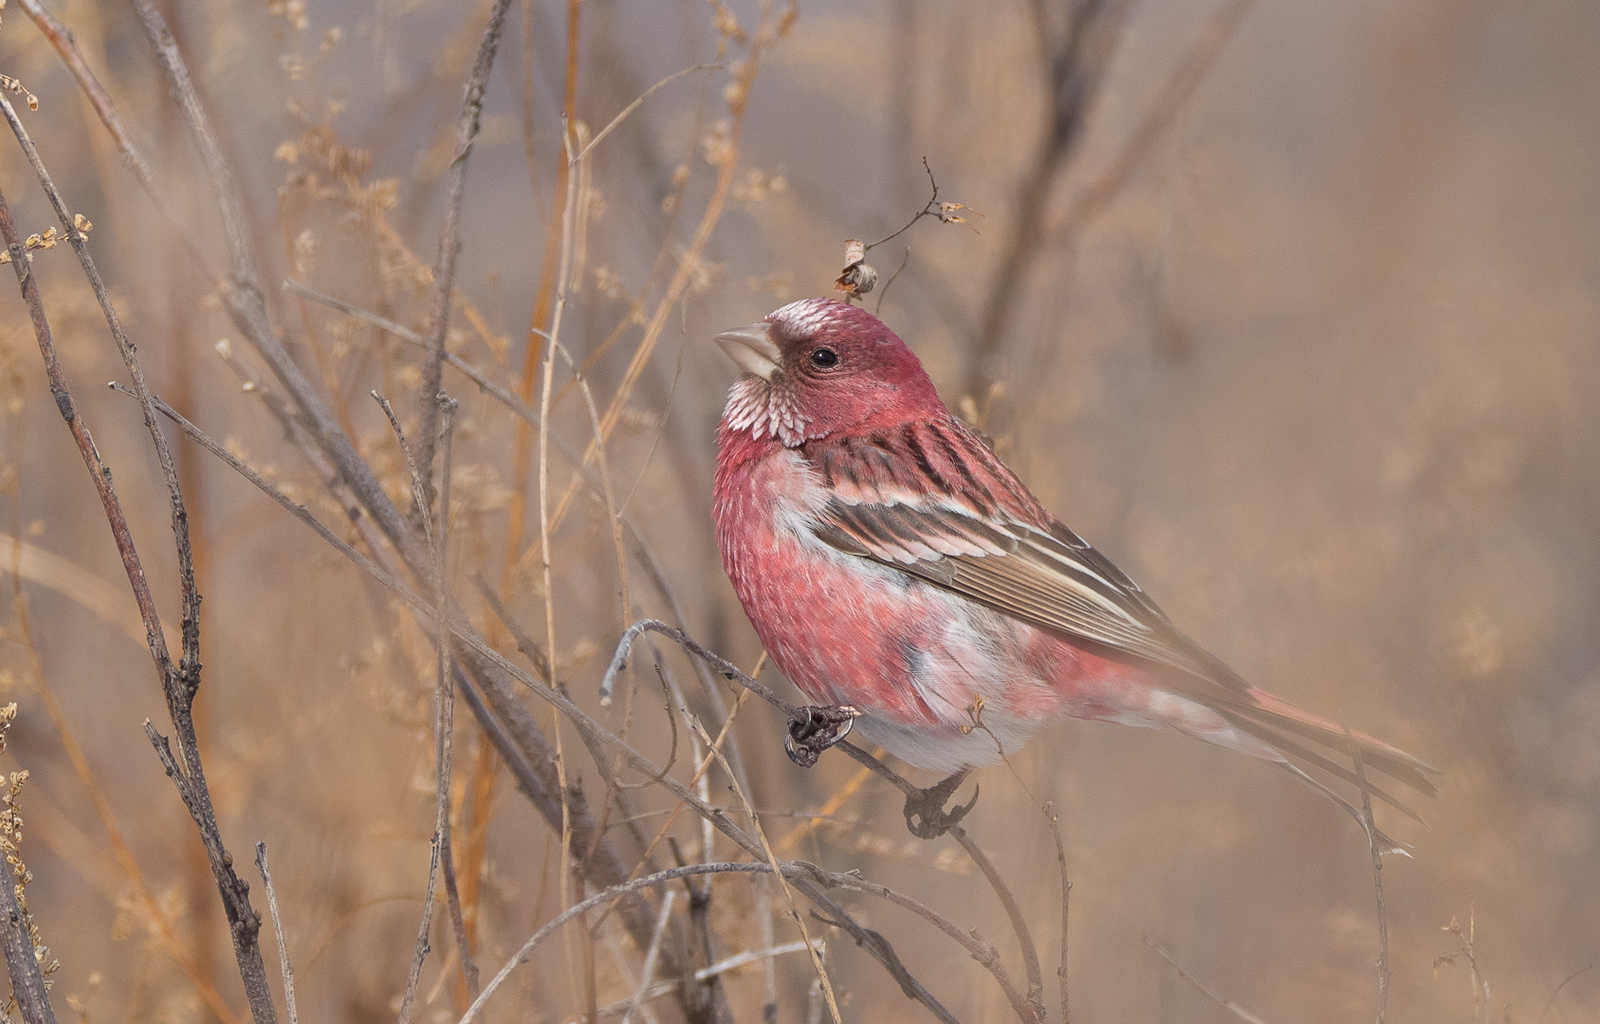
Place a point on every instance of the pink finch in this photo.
(892, 564)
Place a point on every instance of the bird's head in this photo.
(819, 366)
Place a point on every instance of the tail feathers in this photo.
(1376, 754)
(1294, 748)
(1316, 742)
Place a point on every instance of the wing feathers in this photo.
(963, 523)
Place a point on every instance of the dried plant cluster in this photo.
(413, 300)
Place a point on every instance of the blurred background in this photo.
(1292, 308)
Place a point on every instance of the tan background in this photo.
(1321, 376)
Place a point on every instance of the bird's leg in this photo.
(928, 805)
(815, 729)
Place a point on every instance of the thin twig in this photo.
(244, 296)
(444, 271)
(541, 665)
(509, 725)
(747, 70)
(1025, 1010)
(647, 972)
(929, 209)
(151, 906)
(235, 223)
(704, 998)
(504, 395)
(1552, 1000)
(511, 728)
(1019, 921)
(443, 702)
(547, 373)
(661, 988)
(179, 682)
(277, 931)
(639, 101)
(878, 310)
(796, 871)
(1030, 233)
(445, 727)
(1066, 900)
(597, 900)
(1377, 873)
(772, 858)
(1226, 1004)
(1179, 86)
(1075, 64)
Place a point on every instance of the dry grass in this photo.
(1313, 358)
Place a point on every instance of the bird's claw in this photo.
(928, 806)
(815, 729)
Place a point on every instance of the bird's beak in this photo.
(753, 349)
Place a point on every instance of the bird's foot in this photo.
(815, 729)
(928, 806)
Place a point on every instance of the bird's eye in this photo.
(824, 357)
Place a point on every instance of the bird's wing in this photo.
(933, 502)
(1050, 579)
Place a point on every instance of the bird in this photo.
(907, 582)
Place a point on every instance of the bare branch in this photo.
(27, 979)
(1226, 1004)
(1019, 922)
(444, 271)
(179, 682)
(1066, 901)
(277, 931)
(647, 972)
(1377, 873)
(638, 102)
(444, 704)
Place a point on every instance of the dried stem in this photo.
(180, 682)
(1019, 922)
(27, 979)
(245, 299)
(484, 682)
(1377, 873)
(647, 972)
(804, 874)
(1029, 237)
(151, 906)
(1066, 901)
(1552, 1000)
(444, 270)
(766, 955)
(1226, 1004)
(537, 789)
(554, 232)
(444, 728)
(772, 859)
(277, 931)
(444, 703)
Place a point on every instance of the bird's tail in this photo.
(1310, 740)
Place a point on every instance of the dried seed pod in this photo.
(858, 278)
